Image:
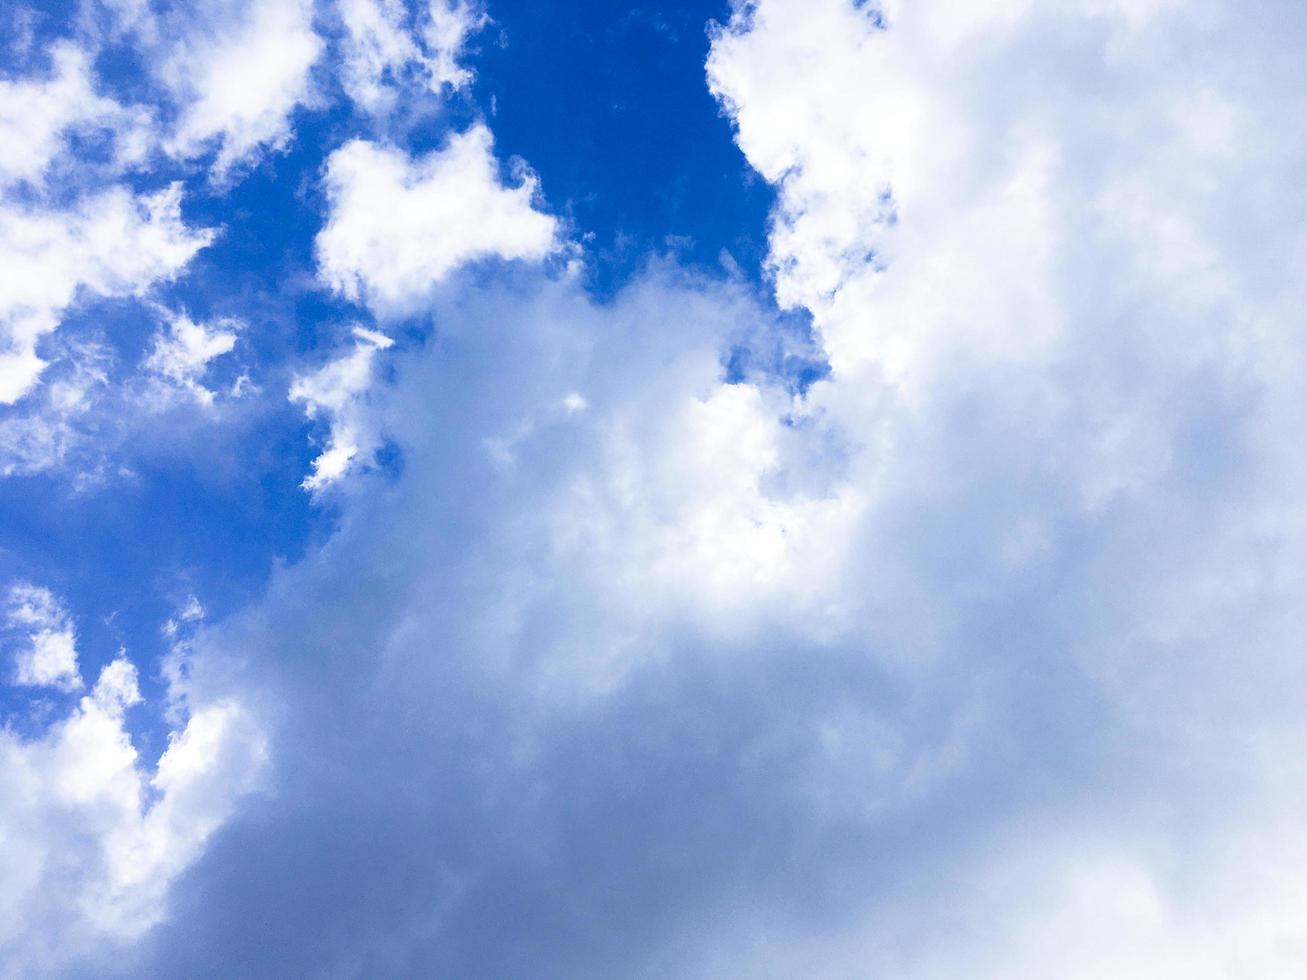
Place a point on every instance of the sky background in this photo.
(682, 490)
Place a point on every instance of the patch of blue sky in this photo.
(607, 103)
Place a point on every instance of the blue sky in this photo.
(670, 490)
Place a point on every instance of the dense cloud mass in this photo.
(927, 607)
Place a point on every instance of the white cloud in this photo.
(972, 646)
(967, 193)
(46, 648)
(90, 840)
(110, 244)
(89, 421)
(69, 234)
(548, 604)
(399, 226)
(38, 114)
(686, 508)
(1023, 231)
(49, 427)
(180, 356)
(381, 54)
(209, 764)
(377, 48)
(237, 73)
(338, 391)
(448, 26)
(192, 611)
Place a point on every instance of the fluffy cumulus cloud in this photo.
(1042, 232)
(237, 72)
(90, 838)
(594, 551)
(87, 215)
(399, 225)
(977, 655)
(449, 26)
(378, 47)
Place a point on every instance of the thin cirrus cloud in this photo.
(976, 655)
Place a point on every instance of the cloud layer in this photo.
(641, 653)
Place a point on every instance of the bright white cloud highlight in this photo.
(399, 226)
(377, 47)
(238, 72)
(686, 506)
